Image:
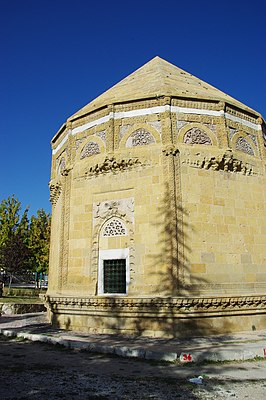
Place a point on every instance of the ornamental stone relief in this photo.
(62, 165)
(223, 162)
(123, 130)
(243, 145)
(114, 227)
(156, 125)
(176, 305)
(141, 137)
(55, 191)
(180, 124)
(264, 135)
(113, 165)
(90, 149)
(79, 142)
(102, 135)
(197, 136)
(232, 132)
(123, 208)
(254, 139)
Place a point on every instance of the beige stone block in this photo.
(219, 201)
(76, 252)
(229, 220)
(250, 268)
(260, 239)
(261, 277)
(220, 258)
(233, 259)
(246, 258)
(223, 228)
(198, 268)
(263, 229)
(78, 226)
(250, 277)
(208, 257)
(249, 239)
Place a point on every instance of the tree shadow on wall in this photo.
(170, 294)
(171, 266)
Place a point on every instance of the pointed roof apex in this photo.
(159, 77)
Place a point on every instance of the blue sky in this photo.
(58, 55)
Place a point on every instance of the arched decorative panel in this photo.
(197, 136)
(114, 227)
(243, 145)
(90, 149)
(140, 137)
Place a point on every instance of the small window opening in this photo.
(114, 276)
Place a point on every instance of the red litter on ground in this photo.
(264, 352)
(187, 357)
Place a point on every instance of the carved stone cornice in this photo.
(55, 191)
(112, 164)
(175, 306)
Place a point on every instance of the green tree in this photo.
(39, 241)
(14, 235)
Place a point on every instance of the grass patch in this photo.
(22, 292)
(20, 300)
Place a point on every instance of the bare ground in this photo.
(37, 371)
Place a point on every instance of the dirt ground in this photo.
(34, 371)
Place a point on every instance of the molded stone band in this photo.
(156, 110)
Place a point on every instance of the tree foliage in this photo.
(24, 244)
(13, 237)
(39, 241)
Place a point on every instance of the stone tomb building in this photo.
(158, 190)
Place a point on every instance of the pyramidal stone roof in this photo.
(159, 78)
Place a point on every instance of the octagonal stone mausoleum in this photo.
(158, 192)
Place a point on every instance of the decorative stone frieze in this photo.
(111, 164)
(65, 171)
(170, 150)
(196, 305)
(224, 162)
(198, 104)
(55, 191)
(241, 115)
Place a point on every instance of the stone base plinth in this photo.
(158, 317)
